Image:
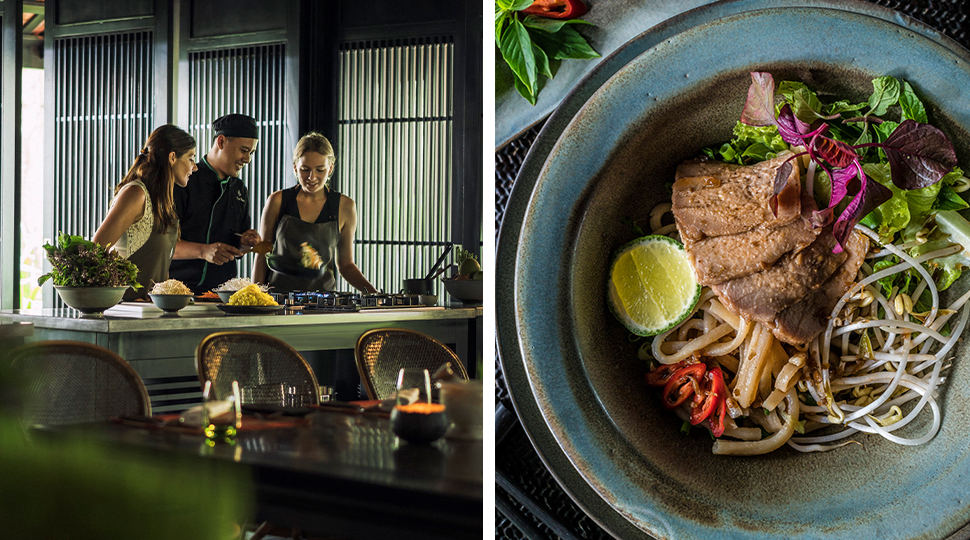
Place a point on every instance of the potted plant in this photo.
(87, 276)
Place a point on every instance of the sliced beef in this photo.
(715, 199)
(803, 320)
(774, 269)
(762, 295)
(717, 259)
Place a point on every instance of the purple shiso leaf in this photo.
(821, 218)
(919, 155)
(781, 180)
(793, 130)
(871, 195)
(840, 182)
(836, 153)
(759, 109)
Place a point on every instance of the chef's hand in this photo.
(249, 238)
(219, 253)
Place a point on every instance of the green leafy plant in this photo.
(534, 37)
(77, 262)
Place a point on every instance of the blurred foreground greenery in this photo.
(61, 487)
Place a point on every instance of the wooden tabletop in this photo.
(338, 474)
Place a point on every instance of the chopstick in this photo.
(440, 259)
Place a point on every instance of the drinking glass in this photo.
(222, 427)
(413, 386)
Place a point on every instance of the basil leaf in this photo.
(564, 44)
(911, 105)
(804, 103)
(884, 130)
(885, 93)
(842, 106)
(525, 92)
(549, 25)
(517, 49)
(500, 18)
(513, 5)
(542, 62)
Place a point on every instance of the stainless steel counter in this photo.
(161, 348)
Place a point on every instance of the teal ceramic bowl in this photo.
(605, 154)
(90, 300)
(170, 303)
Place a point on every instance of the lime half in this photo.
(652, 285)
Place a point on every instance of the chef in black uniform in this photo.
(213, 209)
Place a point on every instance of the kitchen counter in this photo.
(161, 347)
(14, 333)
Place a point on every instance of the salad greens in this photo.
(533, 45)
(878, 163)
(77, 262)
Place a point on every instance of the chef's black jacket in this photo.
(210, 210)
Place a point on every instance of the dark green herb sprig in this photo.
(77, 262)
(535, 46)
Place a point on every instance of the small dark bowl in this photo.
(170, 303)
(467, 291)
(418, 428)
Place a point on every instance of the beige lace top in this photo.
(139, 231)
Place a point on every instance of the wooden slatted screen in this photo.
(394, 154)
(247, 80)
(103, 113)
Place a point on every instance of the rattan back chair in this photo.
(72, 382)
(381, 354)
(268, 369)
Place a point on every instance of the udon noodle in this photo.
(872, 370)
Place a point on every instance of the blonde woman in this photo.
(313, 214)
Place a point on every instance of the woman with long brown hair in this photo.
(142, 224)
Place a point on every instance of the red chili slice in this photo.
(659, 377)
(716, 420)
(681, 385)
(556, 9)
(707, 399)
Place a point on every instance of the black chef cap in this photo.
(236, 125)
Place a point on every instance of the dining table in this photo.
(330, 471)
(529, 499)
(161, 347)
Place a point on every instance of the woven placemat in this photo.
(547, 512)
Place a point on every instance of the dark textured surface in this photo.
(515, 457)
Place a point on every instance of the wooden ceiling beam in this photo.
(33, 23)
